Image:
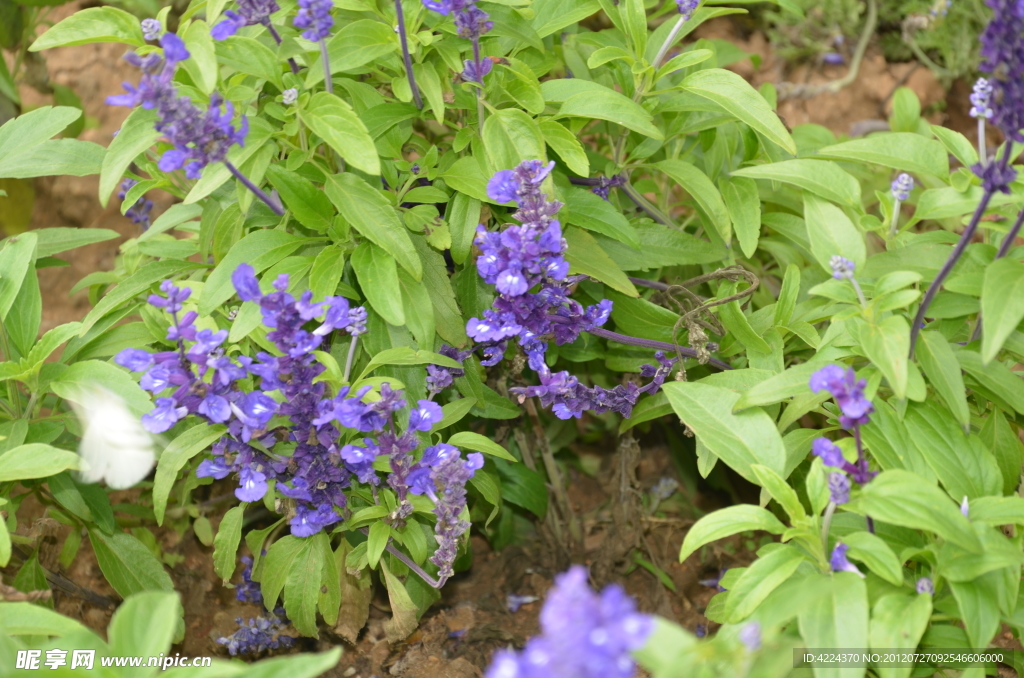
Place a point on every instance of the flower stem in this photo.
(406, 57)
(826, 525)
(328, 81)
(666, 46)
(982, 145)
(895, 219)
(644, 204)
(480, 90)
(650, 343)
(350, 358)
(1004, 248)
(409, 562)
(275, 207)
(277, 38)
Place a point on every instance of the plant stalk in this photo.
(658, 345)
(406, 57)
(274, 206)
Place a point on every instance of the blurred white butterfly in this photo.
(115, 447)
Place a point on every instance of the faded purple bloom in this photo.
(290, 96)
(924, 585)
(965, 507)
(700, 630)
(473, 72)
(583, 634)
(687, 8)
(842, 268)
(314, 19)
(248, 591)
(151, 29)
(901, 188)
(981, 98)
(258, 635)
(514, 602)
(833, 58)
(838, 487)
(356, 321)
(750, 636)
(839, 562)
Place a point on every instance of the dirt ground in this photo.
(460, 633)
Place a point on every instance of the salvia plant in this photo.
(417, 249)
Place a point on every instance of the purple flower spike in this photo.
(902, 186)
(843, 268)
(151, 29)
(250, 13)
(838, 487)
(1002, 52)
(847, 391)
(687, 8)
(981, 98)
(924, 585)
(839, 563)
(314, 19)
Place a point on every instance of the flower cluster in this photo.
(981, 99)
(138, 212)
(259, 633)
(198, 138)
(314, 19)
(250, 13)
(855, 410)
(471, 22)
(687, 8)
(583, 634)
(1002, 51)
(902, 186)
(288, 430)
(151, 29)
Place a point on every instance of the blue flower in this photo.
(246, 285)
(135, 359)
(829, 452)
(838, 487)
(839, 562)
(216, 407)
(165, 415)
(503, 187)
(426, 414)
(253, 484)
(314, 19)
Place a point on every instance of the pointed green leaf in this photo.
(727, 522)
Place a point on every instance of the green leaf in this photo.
(759, 580)
(900, 497)
(780, 492)
(145, 623)
(872, 550)
(996, 377)
(419, 310)
(898, 621)
(202, 62)
(372, 215)
(740, 440)
(225, 544)
(979, 608)
(839, 618)
(939, 363)
(277, 566)
(660, 246)
(521, 83)
(831, 232)
(737, 324)
(76, 381)
(187, 445)
(309, 204)
(302, 585)
(1006, 447)
(378, 278)
(29, 619)
(96, 24)
(404, 355)
(467, 177)
(356, 44)
(478, 443)
(136, 135)
(886, 344)
(607, 104)
(744, 207)
(511, 136)
(380, 533)
(960, 462)
(704, 192)
(128, 564)
(56, 239)
(333, 120)
(139, 282)
(250, 56)
(735, 96)
(567, 146)
(685, 60)
(16, 262)
(727, 522)
(586, 210)
(260, 249)
(488, 486)
(901, 151)
(523, 487)
(957, 144)
(447, 316)
(821, 177)
(35, 460)
(555, 15)
(454, 412)
(585, 256)
(1002, 304)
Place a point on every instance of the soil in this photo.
(459, 634)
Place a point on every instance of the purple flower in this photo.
(135, 359)
(995, 175)
(474, 72)
(425, 415)
(924, 585)
(213, 468)
(165, 415)
(216, 407)
(847, 391)
(246, 285)
(174, 48)
(503, 186)
(138, 212)
(839, 562)
(842, 268)
(310, 520)
(471, 23)
(901, 188)
(250, 13)
(248, 591)
(838, 487)
(357, 318)
(829, 452)
(253, 484)
(981, 98)
(834, 58)
(513, 602)
(314, 19)
(289, 96)
(965, 507)
(583, 634)
(258, 635)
